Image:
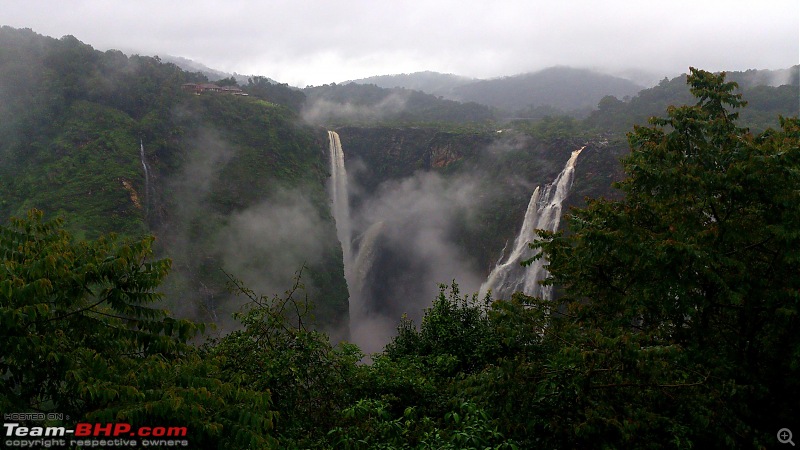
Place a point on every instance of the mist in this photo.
(266, 246)
(321, 110)
(263, 246)
(206, 157)
(407, 229)
(310, 45)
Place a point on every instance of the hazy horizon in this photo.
(314, 43)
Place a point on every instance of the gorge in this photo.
(381, 254)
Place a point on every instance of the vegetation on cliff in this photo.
(73, 121)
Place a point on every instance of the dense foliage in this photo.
(685, 292)
(66, 106)
(765, 101)
(81, 338)
(280, 94)
(675, 328)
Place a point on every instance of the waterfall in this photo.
(543, 213)
(339, 197)
(358, 255)
(146, 180)
(341, 215)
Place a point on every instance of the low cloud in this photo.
(186, 216)
(322, 110)
(266, 245)
(417, 252)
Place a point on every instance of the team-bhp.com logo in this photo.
(93, 435)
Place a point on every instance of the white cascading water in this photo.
(146, 180)
(543, 213)
(341, 215)
(339, 197)
(367, 331)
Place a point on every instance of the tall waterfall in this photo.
(339, 197)
(370, 332)
(543, 213)
(146, 180)
(341, 214)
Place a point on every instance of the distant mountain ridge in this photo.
(434, 83)
(190, 65)
(551, 91)
(368, 103)
(563, 88)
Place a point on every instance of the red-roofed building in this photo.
(198, 88)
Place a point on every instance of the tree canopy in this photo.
(82, 339)
(685, 293)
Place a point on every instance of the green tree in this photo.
(278, 351)
(281, 94)
(80, 337)
(455, 334)
(369, 424)
(682, 299)
(230, 81)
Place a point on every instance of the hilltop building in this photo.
(199, 88)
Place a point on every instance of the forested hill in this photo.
(553, 90)
(369, 104)
(675, 324)
(114, 144)
(610, 102)
(429, 82)
(768, 94)
(567, 89)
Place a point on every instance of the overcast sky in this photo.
(316, 42)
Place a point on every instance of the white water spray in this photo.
(543, 213)
(341, 214)
(367, 331)
(146, 180)
(339, 197)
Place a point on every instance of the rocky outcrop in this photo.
(443, 157)
(132, 192)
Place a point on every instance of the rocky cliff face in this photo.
(507, 165)
(444, 156)
(390, 153)
(467, 190)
